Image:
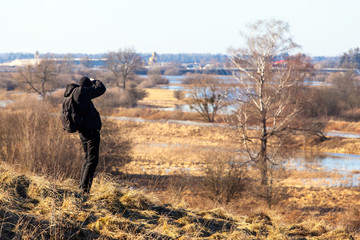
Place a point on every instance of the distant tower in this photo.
(36, 57)
(153, 59)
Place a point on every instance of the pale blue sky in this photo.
(321, 27)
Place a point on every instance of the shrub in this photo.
(32, 138)
(351, 115)
(191, 79)
(322, 102)
(153, 80)
(121, 98)
(111, 99)
(172, 71)
(131, 97)
(179, 94)
(223, 176)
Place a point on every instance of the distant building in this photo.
(153, 59)
(36, 57)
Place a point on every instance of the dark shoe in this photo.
(85, 194)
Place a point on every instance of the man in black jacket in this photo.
(90, 130)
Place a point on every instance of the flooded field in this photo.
(339, 169)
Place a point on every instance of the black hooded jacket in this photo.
(82, 96)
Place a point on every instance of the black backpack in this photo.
(71, 120)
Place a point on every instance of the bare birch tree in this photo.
(121, 64)
(269, 81)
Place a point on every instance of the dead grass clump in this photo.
(136, 199)
(26, 198)
(167, 228)
(220, 213)
(106, 194)
(351, 219)
(308, 228)
(259, 224)
(110, 226)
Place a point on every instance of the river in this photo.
(175, 81)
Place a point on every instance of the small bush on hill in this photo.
(224, 176)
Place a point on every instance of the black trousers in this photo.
(90, 142)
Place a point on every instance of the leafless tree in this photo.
(43, 76)
(122, 64)
(267, 91)
(207, 96)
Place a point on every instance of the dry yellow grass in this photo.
(332, 145)
(162, 98)
(344, 126)
(162, 148)
(32, 207)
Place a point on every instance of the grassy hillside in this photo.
(34, 207)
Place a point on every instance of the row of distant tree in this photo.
(166, 57)
(352, 57)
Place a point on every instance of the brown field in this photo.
(164, 151)
(161, 98)
(168, 163)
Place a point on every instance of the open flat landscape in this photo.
(163, 184)
(180, 120)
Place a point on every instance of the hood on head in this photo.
(69, 89)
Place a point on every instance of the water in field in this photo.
(342, 134)
(3, 103)
(339, 169)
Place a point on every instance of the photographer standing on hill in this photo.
(90, 130)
